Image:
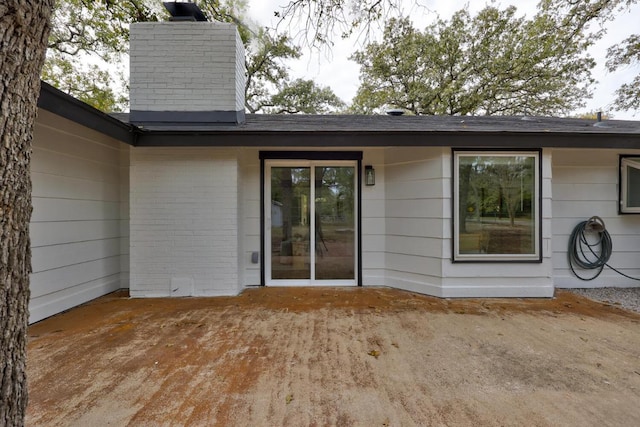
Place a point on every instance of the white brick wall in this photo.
(186, 66)
(184, 222)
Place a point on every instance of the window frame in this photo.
(536, 256)
(625, 161)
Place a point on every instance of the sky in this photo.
(335, 70)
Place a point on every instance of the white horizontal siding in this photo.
(249, 213)
(72, 296)
(71, 166)
(62, 187)
(505, 279)
(49, 234)
(67, 254)
(414, 218)
(76, 225)
(51, 281)
(124, 216)
(373, 221)
(56, 210)
(585, 183)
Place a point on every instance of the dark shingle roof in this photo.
(300, 131)
(385, 123)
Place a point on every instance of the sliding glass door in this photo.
(310, 228)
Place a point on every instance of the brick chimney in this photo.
(186, 73)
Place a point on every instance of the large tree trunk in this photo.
(24, 29)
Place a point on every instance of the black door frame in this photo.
(311, 155)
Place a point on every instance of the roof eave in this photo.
(64, 105)
(385, 139)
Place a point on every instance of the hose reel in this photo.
(590, 247)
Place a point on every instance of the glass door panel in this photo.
(334, 222)
(311, 223)
(290, 225)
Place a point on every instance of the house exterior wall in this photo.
(184, 222)
(124, 216)
(186, 66)
(415, 214)
(406, 228)
(406, 223)
(249, 215)
(374, 235)
(499, 279)
(585, 183)
(372, 210)
(77, 226)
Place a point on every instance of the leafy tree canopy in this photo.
(100, 29)
(492, 63)
(579, 14)
(321, 20)
(82, 29)
(304, 96)
(624, 54)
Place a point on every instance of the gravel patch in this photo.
(628, 298)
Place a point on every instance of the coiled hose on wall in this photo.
(590, 248)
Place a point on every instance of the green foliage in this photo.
(268, 89)
(321, 20)
(624, 54)
(265, 68)
(580, 14)
(88, 83)
(304, 96)
(493, 63)
(100, 30)
(97, 27)
(496, 41)
(83, 29)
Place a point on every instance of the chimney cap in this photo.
(181, 11)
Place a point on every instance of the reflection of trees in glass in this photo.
(290, 187)
(510, 176)
(495, 186)
(334, 193)
(496, 200)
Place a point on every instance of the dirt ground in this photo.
(343, 357)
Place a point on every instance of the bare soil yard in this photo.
(343, 357)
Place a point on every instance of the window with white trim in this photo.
(629, 184)
(496, 205)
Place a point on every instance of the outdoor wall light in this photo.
(369, 175)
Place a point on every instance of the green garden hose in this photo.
(590, 248)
